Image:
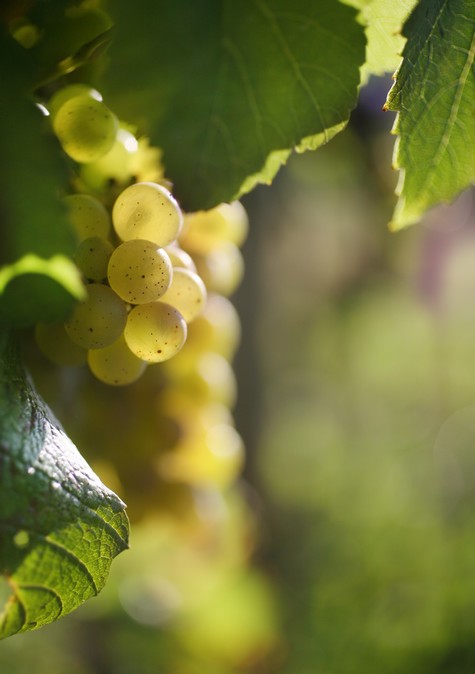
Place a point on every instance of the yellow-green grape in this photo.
(155, 332)
(99, 320)
(92, 257)
(54, 343)
(64, 94)
(204, 231)
(216, 457)
(211, 380)
(217, 328)
(147, 211)
(139, 271)
(179, 257)
(85, 127)
(221, 269)
(115, 364)
(187, 293)
(114, 165)
(88, 216)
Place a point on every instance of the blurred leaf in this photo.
(225, 85)
(34, 223)
(434, 93)
(60, 527)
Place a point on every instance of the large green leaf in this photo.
(434, 93)
(60, 527)
(221, 86)
(38, 280)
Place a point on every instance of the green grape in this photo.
(88, 216)
(147, 211)
(54, 343)
(187, 293)
(99, 320)
(92, 257)
(139, 271)
(216, 330)
(66, 93)
(221, 269)
(204, 231)
(115, 364)
(114, 165)
(85, 127)
(155, 332)
(214, 456)
(179, 257)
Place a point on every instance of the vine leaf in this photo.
(38, 280)
(60, 527)
(383, 21)
(222, 86)
(434, 93)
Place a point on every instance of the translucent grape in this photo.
(54, 343)
(180, 258)
(115, 364)
(147, 211)
(66, 93)
(222, 269)
(155, 332)
(139, 271)
(187, 293)
(204, 231)
(85, 127)
(99, 320)
(88, 216)
(218, 327)
(114, 165)
(92, 257)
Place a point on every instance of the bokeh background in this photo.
(347, 544)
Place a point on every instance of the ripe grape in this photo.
(99, 320)
(86, 128)
(221, 269)
(88, 216)
(179, 257)
(155, 331)
(204, 231)
(92, 257)
(187, 293)
(147, 211)
(115, 364)
(139, 271)
(115, 165)
(66, 93)
(57, 346)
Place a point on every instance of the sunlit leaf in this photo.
(434, 94)
(221, 86)
(60, 527)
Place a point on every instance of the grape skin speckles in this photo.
(85, 127)
(139, 271)
(147, 211)
(99, 320)
(155, 332)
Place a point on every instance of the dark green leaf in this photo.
(434, 93)
(220, 85)
(36, 238)
(60, 527)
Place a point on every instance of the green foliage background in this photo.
(363, 437)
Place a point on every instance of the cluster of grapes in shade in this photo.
(143, 287)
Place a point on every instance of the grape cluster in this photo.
(142, 289)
